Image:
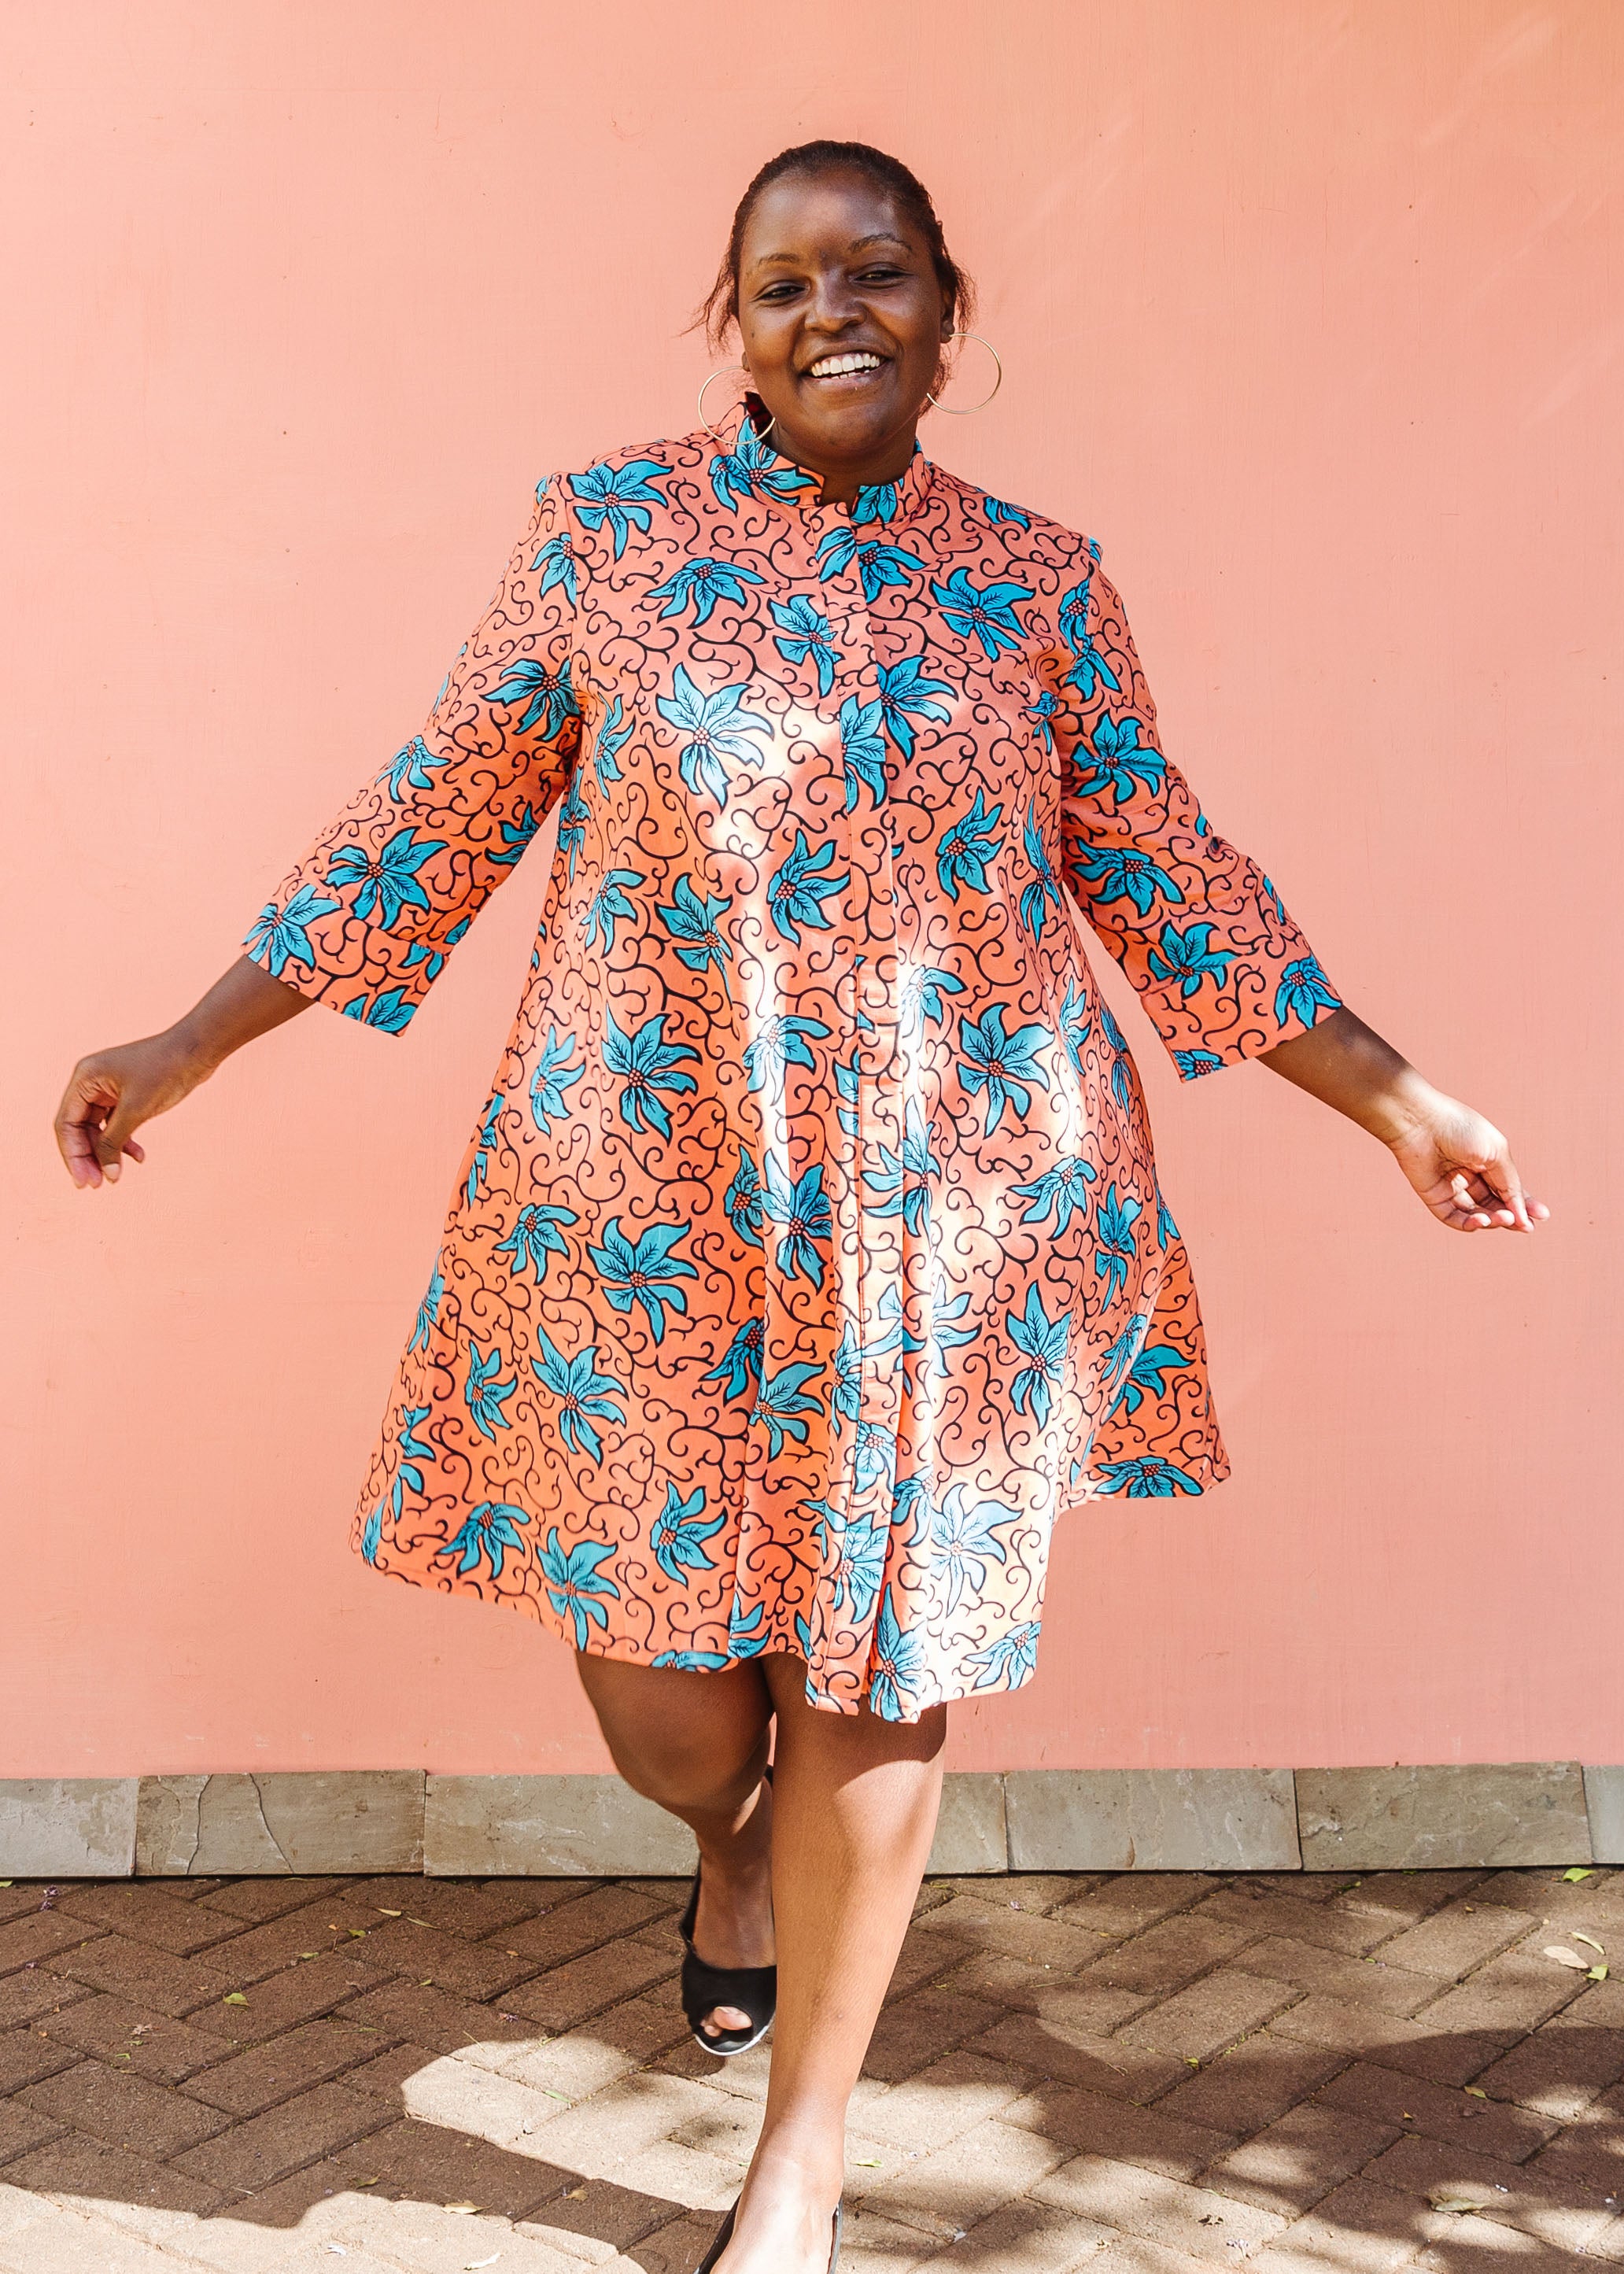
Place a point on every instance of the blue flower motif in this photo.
(645, 1271)
(1062, 1191)
(874, 1456)
(694, 919)
(848, 1083)
(391, 1011)
(876, 501)
(484, 1395)
(517, 834)
(1122, 1070)
(545, 694)
(739, 1365)
(412, 768)
(780, 1042)
(902, 1179)
(1193, 1064)
(1148, 1372)
(986, 613)
(691, 1662)
(796, 891)
(963, 1541)
(1114, 1245)
(1122, 872)
(995, 510)
(1189, 957)
(576, 1585)
(743, 1201)
(1043, 1340)
(611, 738)
(964, 850)
(802, 1209)
(746, 1633)
(1090, 670)
(1269, 893)
(556, 561)
(619, 495)
(1042, 714)
(780, 1404)
(573, 817)
(535, 1236)
(895, 1665)
(678, 1537)
(587, 1396)
(847, 1368)
(1167, 1231)
(918, 997)
(1010, 1660)
(905, 693)
(877, 565)
(943, 1332)
(412, 1452)
(1001, 1064)
(1075, 1024)
(428, 1311)
(1149, 1477)
(491, 1528)
(716, 727)
(809, 639)
(483, 1143)
(862, 750)
(1303, 992)
(645, 1061)
(609, 905)
(552, 1077)
(752, 465)
(1045, 886)
(1120, 762)
(385, 881)
(701, 584)
(859, 1565)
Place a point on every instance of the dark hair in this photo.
(909, 194)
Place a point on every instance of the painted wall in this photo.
(1310, 313)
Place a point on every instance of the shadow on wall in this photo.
(258, 2075)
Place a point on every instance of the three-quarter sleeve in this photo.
(366, 920)
(1223, 971)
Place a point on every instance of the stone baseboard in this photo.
(352, 1820)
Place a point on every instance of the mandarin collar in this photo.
(742, 462)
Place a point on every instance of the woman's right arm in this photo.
(112, 1092)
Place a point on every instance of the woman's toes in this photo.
(722, 2018)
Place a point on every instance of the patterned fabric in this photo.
(809, 1255)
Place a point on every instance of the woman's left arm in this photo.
(1459, 1163)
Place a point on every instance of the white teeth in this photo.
(833, 366)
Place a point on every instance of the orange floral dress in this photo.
(809, 1257)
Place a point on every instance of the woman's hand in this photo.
(108, 1097)
(1463, 1169)
(1459, 1163)
(110, 1094)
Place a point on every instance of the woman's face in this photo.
(842, 321)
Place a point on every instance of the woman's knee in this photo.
(691, 1742)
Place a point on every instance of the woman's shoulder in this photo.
(627, 468)
(1021, 530)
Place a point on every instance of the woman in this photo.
(807, 1257)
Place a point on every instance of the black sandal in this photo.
(725, 2235)
(754, 1990)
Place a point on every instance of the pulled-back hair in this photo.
(906, 191)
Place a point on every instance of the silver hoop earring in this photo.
(970, 410)
(720, 372)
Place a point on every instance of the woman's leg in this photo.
(855, 1802)
(697, 1743)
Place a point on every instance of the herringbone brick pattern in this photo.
(1140, 2074)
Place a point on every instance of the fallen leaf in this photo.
(310, 1953)
(462, 2209)
(471, 2263)
(1191, 2061)
(547, 2089)
(1476, 2090)
(385, 1913)
(1579, 1872)
(1458, 2202)
(1599, 1947)
(367, 2183)
(1565, 1957)
(1596, 1973)
(574, 2194)
(359, 1933)
(234, 1998)
(412, 1922)
(427, 1982)
(869, 2163)
(5, 1883)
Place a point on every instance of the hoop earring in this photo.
(970, 410)
(721, 370)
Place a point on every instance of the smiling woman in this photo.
(809, 1257)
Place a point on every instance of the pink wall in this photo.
(1311, 313)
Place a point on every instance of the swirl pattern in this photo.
(807, 1257)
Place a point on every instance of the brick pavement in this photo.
(1150, 2073)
